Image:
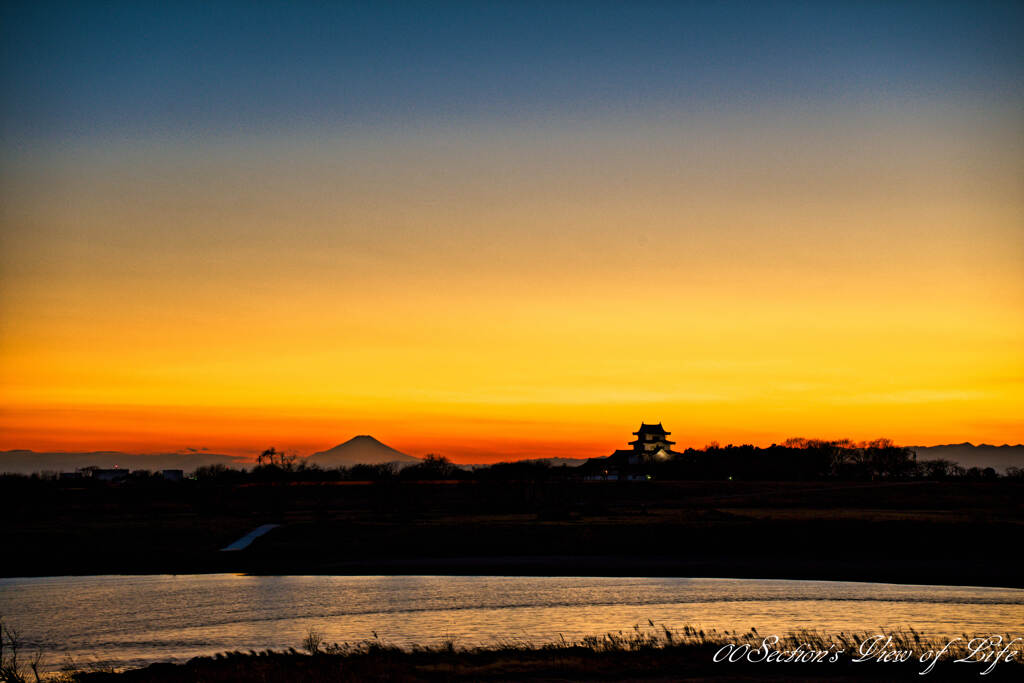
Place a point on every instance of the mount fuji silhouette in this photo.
(360, 450)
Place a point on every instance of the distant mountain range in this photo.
(551, 462)
(969, 455)
(360, 450)
(27, 462)
(558, 462)
(368, 450)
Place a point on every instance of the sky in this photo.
(506, 230)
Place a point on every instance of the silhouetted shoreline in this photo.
(917, 532)
(910, 573)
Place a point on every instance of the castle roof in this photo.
(651, 429)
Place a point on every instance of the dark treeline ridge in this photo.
(521, 519)
(794, 460)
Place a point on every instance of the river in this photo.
(126, 621)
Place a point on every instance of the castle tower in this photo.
(651, 438)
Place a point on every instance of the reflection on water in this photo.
(134, 620)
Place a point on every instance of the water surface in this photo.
(134, 620)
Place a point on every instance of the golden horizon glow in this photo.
(493, 293)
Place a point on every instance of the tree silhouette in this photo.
(275, 458)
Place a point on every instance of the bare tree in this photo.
(312, 642)
(275, 458)
(12, 670)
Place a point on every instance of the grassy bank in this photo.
(869, 531)
(650, 653)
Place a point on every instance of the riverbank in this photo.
(910, 572)
(648, 654)
(939, 533)
(919, 573)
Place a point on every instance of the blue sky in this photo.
(108, 70)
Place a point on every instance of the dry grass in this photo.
(648, 652)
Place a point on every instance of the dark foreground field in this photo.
(964, 533)
(643, 654)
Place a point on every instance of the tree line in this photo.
(793, 460)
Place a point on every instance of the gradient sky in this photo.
(498, 230)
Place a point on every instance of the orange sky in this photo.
(491, 292)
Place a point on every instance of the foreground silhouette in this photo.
(648, 652)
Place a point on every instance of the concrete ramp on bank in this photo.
(245, 541)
